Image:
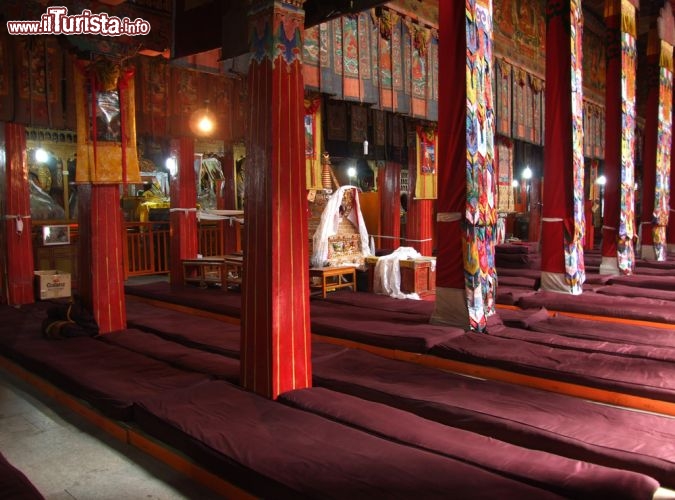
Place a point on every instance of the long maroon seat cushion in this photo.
(176, 354)
(14, 484)
(639, 376)
(524, 416)
(421, 310)
(606, 331)
(203, 333)
(106, 376)
(275, 451)
(639, 308)
(571, 478)
(207, 299)
(583, 346)
(377, 327)
(634, 291)
(659, 281)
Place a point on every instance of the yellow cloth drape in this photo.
(426, 185)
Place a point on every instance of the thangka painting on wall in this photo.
(427, 163)
(313, 142)
(106, 123)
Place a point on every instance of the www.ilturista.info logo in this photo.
(56, 21)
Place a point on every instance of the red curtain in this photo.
(451, 144)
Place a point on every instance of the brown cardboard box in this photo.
(52, 284)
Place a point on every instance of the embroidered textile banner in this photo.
(106, 123)
(481, 215)
(663, 149)
(625, 252)
(313, 142)
(426, 183)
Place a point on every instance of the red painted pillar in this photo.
(562, 234)
(390, 194)
(183, 191)
(276, 342)
(107, 268)
(465, 273)
(100, 256)
(658, 137)
(18, 246)
(618, 255)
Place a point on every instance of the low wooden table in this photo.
(329, 279)
(205, 271)
(234, 270)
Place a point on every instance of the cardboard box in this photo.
(52, 284)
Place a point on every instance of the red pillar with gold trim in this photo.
(618, 255)
(184, 238)
(18, 246)
(658, 135)
(562, 234)
(276, 342)
(465, 274)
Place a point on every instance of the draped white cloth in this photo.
(387, 278)
(330, 220)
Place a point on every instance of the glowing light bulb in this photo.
(41, 155)
(205, 124)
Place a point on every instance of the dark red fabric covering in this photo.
(617, 290)
(571, 478)
(14, 485)
(641, 308)
(659, 282)
(649, 378)
(527, 417)
(614, 332)
(207, 299)
(175, 354)
(110, 378)
(276, 451)
(204, 333)
(378, 327)
(421, 310)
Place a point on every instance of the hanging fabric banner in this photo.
(574, 230)
(426, 184)
(106, 123)
(313, 142)
(663, 147)
(625, 251)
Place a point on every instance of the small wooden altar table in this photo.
(329, 279)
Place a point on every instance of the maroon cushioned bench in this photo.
(618, 290)
(176, 354)
(638, 376)
(417, 310)
(524, 416)
(203, 333)
(378, 327)
(108, 377)
(595, 304)
(571, 478)
(275, 451)
(598, 330)
(14, 484)
(211, 300)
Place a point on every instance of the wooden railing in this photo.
(147, 248)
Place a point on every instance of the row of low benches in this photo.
(276, 451)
